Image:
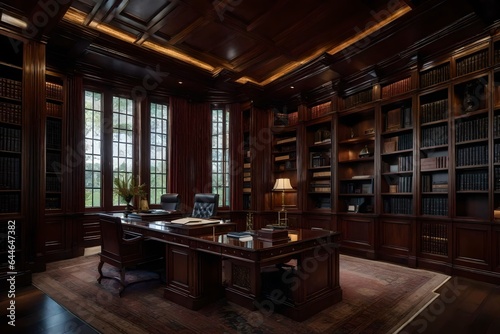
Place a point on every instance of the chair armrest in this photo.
(136, 239)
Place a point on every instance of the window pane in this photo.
(123, 121)
(159, 147)
(220, 154)
(92, 129)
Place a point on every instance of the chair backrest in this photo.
(111, 234)
(170, 202)
(205, 205)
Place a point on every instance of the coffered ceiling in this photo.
(236, 49)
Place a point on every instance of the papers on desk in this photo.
(193, 221)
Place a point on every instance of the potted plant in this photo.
(126, 187)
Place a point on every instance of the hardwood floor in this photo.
(463, 306)
(38, 313)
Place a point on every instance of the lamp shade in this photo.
(282, 185)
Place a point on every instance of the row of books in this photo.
(396, 88)
(472, 180)
(10, 113)
(53, 109)
(405, 163)
(320, 159)
(52, 183)
(10, 173)
(496, 153)
(398, 118)
(321, 109)
(52, 202)
(11, 89)
(287, 165)
(429, 185)
(320, 186)
(497, 56)
(435, 75)
(435, 206)
(435, 136)
(434, 238)
(472, 63)
(53, 162)
(54, 91)
(358, 98)
(10, 139)
(404, 184)
(472, 155)
(324, 202)
(497, 179)
(471, 129)
(10, 203)
(496, 126)
(54, 134)
(322, 174)
(434, 111)
(293, 118)
(434, 163)
(289, 156)
(398, 205)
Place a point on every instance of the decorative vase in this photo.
(128, 208)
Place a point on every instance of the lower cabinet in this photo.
(358, 234)
(396, 242)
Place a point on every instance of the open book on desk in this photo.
(193, 221)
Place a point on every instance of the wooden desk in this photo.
(194, 257)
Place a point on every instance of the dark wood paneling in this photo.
(472, 245)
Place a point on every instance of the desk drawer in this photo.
(239, 253)
(211, 248)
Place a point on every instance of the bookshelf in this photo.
(433, 154)
(284, 158)
(11, 131)
(397, 158)
(471, 161)
(496, 148)
(319, 164)
(247, 161)
(356, 171)
(53, 142)
(13, 159)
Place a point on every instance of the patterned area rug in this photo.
(377, 298)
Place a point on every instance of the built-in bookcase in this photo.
(54, 88)
(356, 173)
(397, 157)
(13, 157)
(319, 164)
(496, 147)
(434, 153)
(471, 161)
(284, 157)
(11, 129)
(247, 161)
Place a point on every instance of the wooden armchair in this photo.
(120, 249)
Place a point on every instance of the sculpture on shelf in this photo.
(471, 100)
(365, 152)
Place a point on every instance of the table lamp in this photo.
(282, 185)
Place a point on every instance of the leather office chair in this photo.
(170, 202)
(121, 249)
(205, 205)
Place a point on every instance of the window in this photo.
(93, 142)
(111, 124)
(220, 155)
(123, 135)
(159, 149)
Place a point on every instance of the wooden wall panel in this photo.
(472, 245)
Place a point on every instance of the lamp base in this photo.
(277, 226)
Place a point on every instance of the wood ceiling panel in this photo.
(269, 44)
